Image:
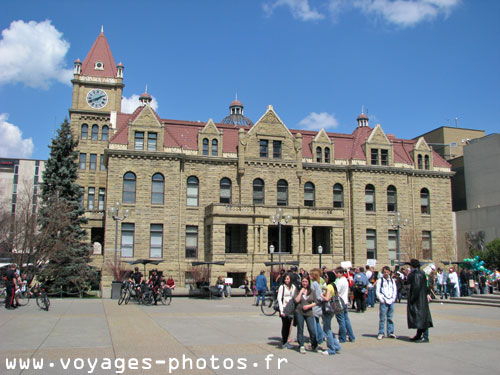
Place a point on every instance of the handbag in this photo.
(289, 309)
(335, 305)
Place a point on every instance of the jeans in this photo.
(386, 312)
(345, 327)
(310, 328)
(320, 334)
(332, 343)
(261, 294)
(370, 299)
(443, 290)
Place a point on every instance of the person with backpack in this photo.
(332, 343)
(360, 285)
(387, 292)
(286, 292)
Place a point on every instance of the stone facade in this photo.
(206, 191)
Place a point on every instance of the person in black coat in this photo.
(419, 314)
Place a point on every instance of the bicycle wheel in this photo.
(23, 298)
(123, 295)
(42, 302)
(46, 301)
(267, 307)
(147, 299)
(127, 297)
(166, 298)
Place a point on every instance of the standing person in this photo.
(399, 285)
(246, 285)
(442, 281)
(345, 328)
(261, 286)
(332, 343)
(286, 292)
(317, 311)
(360, 284)
(454, 286)
(419, 314)
(306, 300)
(296, 277)
(387, 292)
(372, 279)
(10, 285)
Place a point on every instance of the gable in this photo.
(378, 137)
(321, 137)
(146, 118)
(270, 124)
(210, 128)
(422, 145)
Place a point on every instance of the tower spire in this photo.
(102, 29)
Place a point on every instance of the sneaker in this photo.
(392, 336)
(302, 350)
(324, 352)
(288, 345)
(380, 336)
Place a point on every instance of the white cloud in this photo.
(406, 13)
(300, 9)
(12, 144)
(129, 105)
(403, 13)
(316, 121)
(33, 53)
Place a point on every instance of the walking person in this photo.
(306, 300)
(345, 328)
(387, 292)
(418, 312)
(286, 292)
(261, 286)
(332, 343)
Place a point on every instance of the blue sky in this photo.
(414, 64)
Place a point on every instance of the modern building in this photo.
(480, 223)
(205, 191)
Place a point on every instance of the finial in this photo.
(236, 96)
(102, 28)
(362, 109)
(146, 87)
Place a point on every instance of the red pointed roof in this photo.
(100, 51)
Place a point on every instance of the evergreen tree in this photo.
(60, 219)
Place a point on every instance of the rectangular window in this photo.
(276, 149)
(127, 250)
(236, 238)
(371, 244)
(321, 237)
(374, 156)
(139, 141)
(102, 165)
(93, 162)
(156, 241)
(384, 157)
(264, 148)
(426, 244)
(102, 198)
(393, 244)
(91, 198)
(191, 241)
(152, 137)
(83, 161)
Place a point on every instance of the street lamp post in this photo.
(397, 224)
(271, 250)
(320, 251)
(277, 218)
(114, 212)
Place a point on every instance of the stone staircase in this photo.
(491, 300)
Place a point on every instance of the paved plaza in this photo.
(231, 336)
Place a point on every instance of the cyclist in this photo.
(154, 282)
(136, 278)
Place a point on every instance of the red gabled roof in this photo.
(100, 51)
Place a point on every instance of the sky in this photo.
(411, 65)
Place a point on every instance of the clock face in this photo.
(97, 98)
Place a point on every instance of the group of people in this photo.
(302, 297)
(13, 282)
(466, 283)
(156, 281)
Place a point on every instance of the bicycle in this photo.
(166, 296)
(42, 299)
(270, 305)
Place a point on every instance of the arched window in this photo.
(370, 198)
(95, 132)
(419, 161)
(327, 154)
(192, 191)
(129, 181)
(258, 191)
(426, 162)
(338, 196)
(392, 199)
(105, 131)
(319, 156)
(425, 204)
(85, 131)
(157, 188)
(205, 146)
(225, 190)
(309, 194)
(282, 193)
(215, 147)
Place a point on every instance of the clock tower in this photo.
(97, 94)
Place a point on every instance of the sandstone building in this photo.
(206, 191)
